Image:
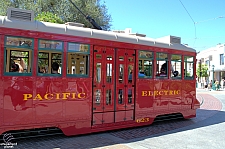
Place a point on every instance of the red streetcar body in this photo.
(105, 93)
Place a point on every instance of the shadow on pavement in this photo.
(127, 135)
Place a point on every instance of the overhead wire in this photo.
(195, 38)
(191, 19)
(219, 17)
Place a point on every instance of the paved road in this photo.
(206, 131)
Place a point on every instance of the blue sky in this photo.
(202, 26)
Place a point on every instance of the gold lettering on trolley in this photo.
(143, 120)
(160, 93)
(50, 96)
(144, 93)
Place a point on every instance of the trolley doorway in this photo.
(113, 85)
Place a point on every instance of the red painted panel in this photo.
(175, 98)
(129, 115)
(145, 95)
(161, 98)
(1, 80)
(16, 109)
(1, 53)
(97, 118)
(108, 117)
(49, 100)
(78, 104)
(120, 116)
(188, 93)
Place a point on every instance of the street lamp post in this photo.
(213, 74)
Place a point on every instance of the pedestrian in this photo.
(222, 83)
(217, 85)
(210, 85)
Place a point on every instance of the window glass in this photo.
(49, 44)
(77, 47)
(50, 57)
(19, 42)
(188, 67)
(78, 59)
(145, 64)
(176, 66)
(18, 55)
(162, 64)
(221, 59)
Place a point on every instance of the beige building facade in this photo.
(214, 59)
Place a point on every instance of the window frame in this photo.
(50, 51)
(162, 59)
(87, 53)
(180, 61)
(145, 58)
(16, 48)
(188, 62)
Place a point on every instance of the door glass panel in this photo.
(98, 72)
(109, 73)
(98, 96)
(108, 97)
(130, 59)
(130, 95)
(121, 58)
(130, 72)
(109, 57)
(121, 73)
(98, 56)
(120, 96)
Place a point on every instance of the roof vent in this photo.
(174, 39)
(137, 34)
(20, 14)
(170, 39)
(74, 24)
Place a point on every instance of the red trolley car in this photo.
(83, 80)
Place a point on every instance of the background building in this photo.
(214, 59)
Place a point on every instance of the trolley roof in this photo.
(90, 33)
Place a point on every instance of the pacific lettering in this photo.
(50, 96)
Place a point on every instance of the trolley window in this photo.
(176, 66)
(50, 58)
(162, 65)
(78, 59)
(145, 63)
(18, 55)
(188, 67)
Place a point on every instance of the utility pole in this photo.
(89, 18)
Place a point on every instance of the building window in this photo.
(207, 62)
(145, 64)
(78, 59)
(221, 59)
(18, 55)
(50, 57)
